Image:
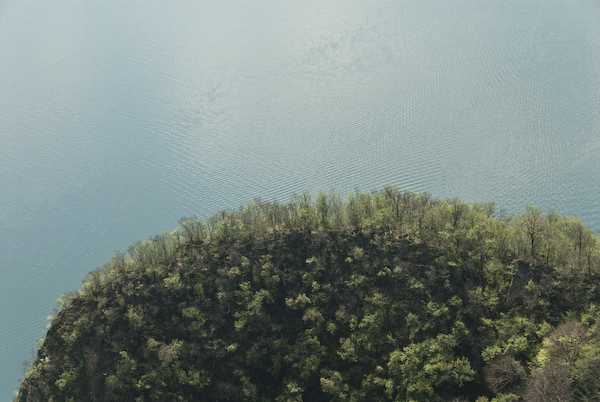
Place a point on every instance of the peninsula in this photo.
(383, 296)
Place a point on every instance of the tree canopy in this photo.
(385, 296)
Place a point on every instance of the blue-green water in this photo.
(119, 117)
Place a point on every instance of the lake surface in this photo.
(117, 118)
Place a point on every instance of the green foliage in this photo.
(385, 296)
(568, 364)
(422, 367)
(505, 398)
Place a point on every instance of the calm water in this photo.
(118, 118)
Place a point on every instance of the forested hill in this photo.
(385, 296)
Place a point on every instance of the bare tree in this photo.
(504, 374)
(550, 384)
(534, 226)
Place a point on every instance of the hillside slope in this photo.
(386, 296)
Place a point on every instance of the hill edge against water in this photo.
(385, 296)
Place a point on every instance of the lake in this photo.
(117, 118)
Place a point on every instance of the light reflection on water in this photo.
(117, 119)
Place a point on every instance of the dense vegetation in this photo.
(386, 296)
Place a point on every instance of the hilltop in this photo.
(385, 296)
